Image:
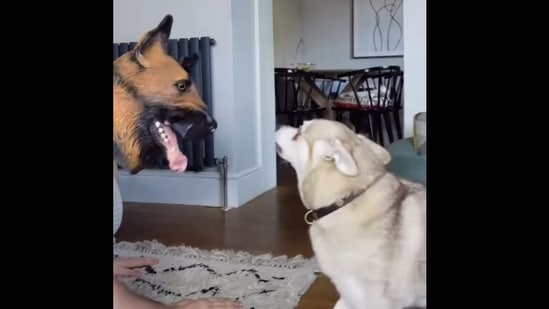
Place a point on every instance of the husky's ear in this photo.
(156, 37)
(334, 150)
(379, 152)
(188, 62)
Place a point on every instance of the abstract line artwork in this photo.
(377, 28)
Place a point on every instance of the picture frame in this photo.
(377, 28)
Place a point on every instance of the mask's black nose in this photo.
(193, 125)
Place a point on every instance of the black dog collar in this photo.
(326, 210)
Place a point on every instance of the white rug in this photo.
(260, 282)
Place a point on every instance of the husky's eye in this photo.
(183, 85)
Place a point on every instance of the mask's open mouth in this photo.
(168, 130)
(168, 139)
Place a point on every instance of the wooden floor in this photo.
(271, 223)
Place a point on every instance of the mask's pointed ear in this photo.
(379, 152)
(156, 37)
(188, 62)
(333, 150)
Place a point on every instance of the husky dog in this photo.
(367, 226)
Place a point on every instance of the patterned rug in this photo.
(260, 282)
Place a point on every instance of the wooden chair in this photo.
(371, 97)
(293, 101)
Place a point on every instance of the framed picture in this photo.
(377, 28)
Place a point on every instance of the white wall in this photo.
(253, 80)
(242, 64)
(415, 65)
(288, 29)
(326, 29)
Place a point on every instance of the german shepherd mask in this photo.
(155, 104)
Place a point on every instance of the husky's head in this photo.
(328, 157)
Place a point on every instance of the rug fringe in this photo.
(282, 261)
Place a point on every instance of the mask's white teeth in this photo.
(164, 137)
(157, 124)
(160, 130)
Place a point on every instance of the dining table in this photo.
(313, 92)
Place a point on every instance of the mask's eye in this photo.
(297, 134)
(183, 85)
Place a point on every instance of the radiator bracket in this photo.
(222, 164)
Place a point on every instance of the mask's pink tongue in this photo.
(178, 161)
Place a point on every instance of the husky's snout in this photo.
(278, 149)
(284, 139)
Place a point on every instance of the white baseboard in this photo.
(196, 189)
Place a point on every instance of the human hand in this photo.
(124, 266)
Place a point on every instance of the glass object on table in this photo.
(305, 66)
